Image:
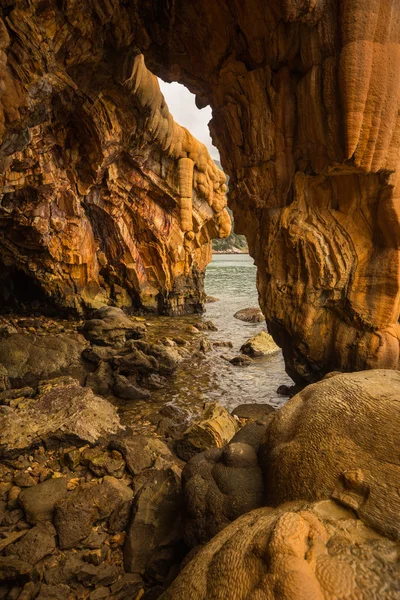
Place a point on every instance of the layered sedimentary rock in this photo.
(104, 198)
(305, 99)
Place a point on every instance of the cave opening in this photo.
(23, 294)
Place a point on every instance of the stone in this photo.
(103, 574)
(318, 550)
(339, 438)
(4, 379)
(101, 382)
(39, 501)
(253, 412)
(261, 344)
(54, 592)
(37, 543)
(241, 361)
(155, 519)
(24, 479)
(126, 389)
(76, 514)
(205, 325)
(215, 428)
(29, 358)
(62, 410)
(250, 315)
(101, 463)
(142, 453)
(12, 567)
(13, 497)
(100, 593)
(110, 326)
(218, 487)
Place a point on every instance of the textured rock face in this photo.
(292, 553)
(305, 99)
(104, 198)
(339, 438)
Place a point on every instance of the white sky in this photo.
(185, 112)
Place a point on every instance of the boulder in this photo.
(215, 428)
(28, 357)
(221, 485)
(253, 411)
(142, 453)
(155, 520)
(241, 361)
(296, 552)
(250, 315)
(340, 438)
(39, 500)
(62, 410)
(11, 567)
(89, 503)
(126, 388)
(261, 344)
(35, 545)
(110, 326)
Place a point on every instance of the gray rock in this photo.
(35, 545)
(156, 519)
(250, 315)
(63, 410)
(253, 412)
(110, 326)
(29, 358)
(88, 503)
(126, 390)
(39, 501)
(141, 452)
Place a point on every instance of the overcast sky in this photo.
(185, 112)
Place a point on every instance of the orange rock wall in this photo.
(305, 97)
(92, 205)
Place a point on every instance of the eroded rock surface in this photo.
(311, 552)
(306, 117)
(104, 198)
(339, 438)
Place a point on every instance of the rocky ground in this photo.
(91, 507)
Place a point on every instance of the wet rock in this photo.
(63, 410)
(29, 358)
(102, 380)
(101, 463)
(222, 344)
(221, 485)
(250, 315)
(39, 501)
(214, 428)
(253, 412)
(261, 344)
(87, 504)
(168, 358)
(135, 362)
(156, 519)
(206, 326)
(141, 452)
(110, 326)
(37, 543)
(289, 390)
(96, 354)
(125, 389)
(210, 299)
(241, 361)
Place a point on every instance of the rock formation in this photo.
(104, 198)
(339, 438)
(313, 552)
(305, 99)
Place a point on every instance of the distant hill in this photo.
(235, 243)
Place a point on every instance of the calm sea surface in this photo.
(232, 279)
